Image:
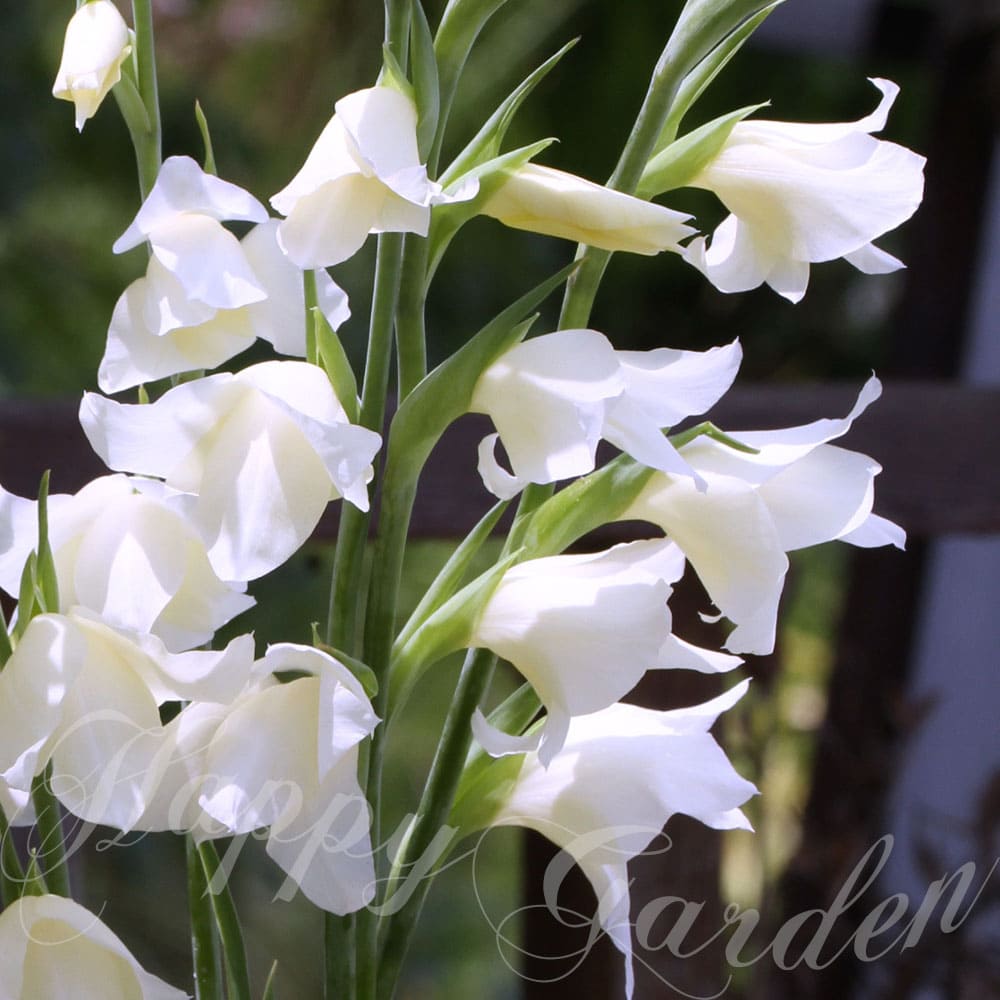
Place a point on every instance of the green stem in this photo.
(228, 924)
(344, 610)
(11, 872)
(677, 59)
(339, 945)
(435, 804)
(380, 628)
(311, 302)
(411, 336)
(52, 846)
(397, 28)
(148, 149)
(204, 943)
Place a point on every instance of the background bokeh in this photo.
(267, 73)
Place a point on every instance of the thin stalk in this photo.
(411, 336)
(668, 75)
(435, 804)
(204, 943)
(148, 150)
(228, 924)
(387, 563)
(52, 846)
(339, 937)
(341, 630)
(11, 872)
(312, 301)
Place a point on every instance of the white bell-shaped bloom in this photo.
(798, 490)
(622, 773)
(553, 398)
(583, 629)
(362, 176)
(137, 351)
(198, 267)
(53, 947)
(282, 756)
(97, 42)
(126, 550)
(86, 697)
(548, 201)
(802, 194)
(264, 450)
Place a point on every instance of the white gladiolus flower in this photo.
(97, 42)
(198, 267)
(264, 450)
(282, 756)
(554, 203)
(86, 697)
(553, 398)
(362, 176)
(53, 947)
(126, 550)
(802, 194)
(797, 491)
(583, 629)
(138, 352)
(622, 773)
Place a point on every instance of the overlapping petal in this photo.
(583, 629)
(795, 490)
(86, 697)
(264, 450)
(622, 773)
(53, 947)
(157, 330)
(553, 398)
(126, 550)
(802, 194)
(363, 175)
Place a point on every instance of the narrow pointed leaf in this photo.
(680, 162)
(696, 82)
(425, 79)
(206, 138)
(446, 393)
(488, 140)
(334, 362)
(454, 570)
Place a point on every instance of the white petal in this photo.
(495, 477)
(871, 260)
(332, 223)
(34, 686)
(382, 124)
(734, 261)
(160, 438)
(669, 385)
(280, 318)
(182, 187)
(325, 846)
(54, 948)
(207, 260)
(496, 742)
(329, 159)
(542, 200)
(729, 537)
(876, 531)
(135, 354)
(262, 761)
(779, 448)
(96, 44)
(547, 399)
(826, 494)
